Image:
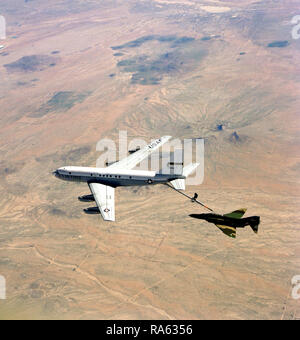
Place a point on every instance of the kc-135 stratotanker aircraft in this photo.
(103, 181)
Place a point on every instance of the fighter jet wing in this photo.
(237, 213)
(134, 159)
(105, 198)
(229, 231)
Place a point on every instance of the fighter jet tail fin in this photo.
(254, 223)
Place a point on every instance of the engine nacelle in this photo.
(92, 211)
(110, 163)
(135, 150)
(86, 198)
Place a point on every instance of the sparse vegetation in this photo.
(61, 102)
(279, 44)
(31, 63)
(176, 41)
(150, 70)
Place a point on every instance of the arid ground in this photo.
(73, 72)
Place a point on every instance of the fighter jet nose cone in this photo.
(198, 216)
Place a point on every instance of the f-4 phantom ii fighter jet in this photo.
(228, 223)
(103, 181)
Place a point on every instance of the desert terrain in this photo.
(75, 72)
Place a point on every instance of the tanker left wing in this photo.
(105, 198)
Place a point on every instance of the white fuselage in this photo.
(112, 177)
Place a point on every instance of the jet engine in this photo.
(134, 150)
(110, 163)
(86, 198)
(92, 211)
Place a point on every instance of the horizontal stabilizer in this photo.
(179, 184)
(189, 169)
